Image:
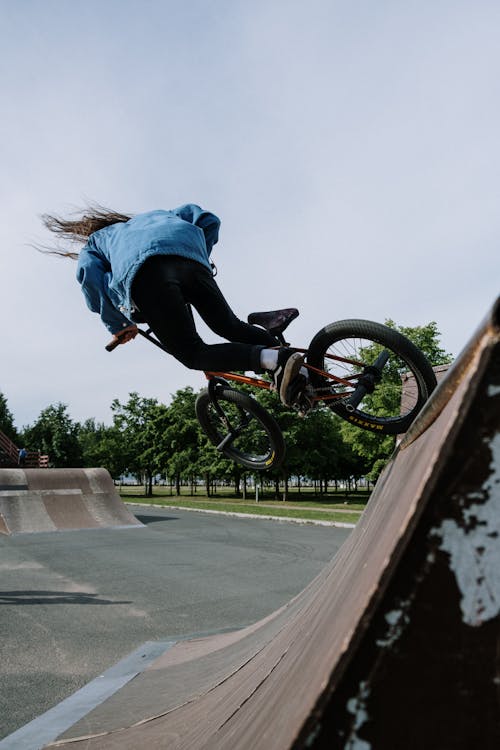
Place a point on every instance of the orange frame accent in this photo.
(256, 382)
(242, 379)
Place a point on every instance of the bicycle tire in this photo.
(392, 410)
(259, 444)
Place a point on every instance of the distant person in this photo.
(22, 456)
(148, 267)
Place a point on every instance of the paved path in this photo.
(74, 603)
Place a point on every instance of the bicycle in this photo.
(355, 367)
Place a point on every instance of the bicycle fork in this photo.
(366, 384)
(233, 432)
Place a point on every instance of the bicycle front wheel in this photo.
(345, 351)
(241, 428)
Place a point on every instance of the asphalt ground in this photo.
(72, 604)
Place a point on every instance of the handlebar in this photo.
(145, 334)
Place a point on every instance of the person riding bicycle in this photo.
(149, 268)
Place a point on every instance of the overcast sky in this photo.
(351, 150)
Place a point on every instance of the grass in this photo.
(310, 509)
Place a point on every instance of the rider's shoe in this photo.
(286, 375)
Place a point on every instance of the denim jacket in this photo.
(112, 256)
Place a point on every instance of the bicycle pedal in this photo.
(303, 405)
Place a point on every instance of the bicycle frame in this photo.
(353, 377)
(256, 382)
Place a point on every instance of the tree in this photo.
(174, 436)
(7, 420)
(212, 466)
(426, 338)
(352, 466)
(132, 422)
(102, 446)
(313, 446)
(55, 434)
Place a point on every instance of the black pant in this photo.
(162, 289)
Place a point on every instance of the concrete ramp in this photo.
(34, 500)
(394, 645)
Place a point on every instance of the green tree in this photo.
(351, 465)
(175, 435)
(54, 433)
(7, 420)
(426, 338)
(152, 454)
(213, 467)
(132, 423)
(102, 446)
(313, 446)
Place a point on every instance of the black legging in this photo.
(163, 287)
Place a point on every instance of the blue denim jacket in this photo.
(112, 256)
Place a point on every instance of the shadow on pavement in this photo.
(154, 519)
(53, 597)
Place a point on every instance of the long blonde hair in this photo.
(90, 220)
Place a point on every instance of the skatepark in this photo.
(383, 637)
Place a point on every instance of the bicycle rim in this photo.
(343, 350)
(244, 432)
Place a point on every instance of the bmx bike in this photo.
(365, 372)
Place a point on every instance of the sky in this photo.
(350, 148)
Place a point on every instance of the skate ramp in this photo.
(34, 500)
(394, 645)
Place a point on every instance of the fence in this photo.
(9, 455)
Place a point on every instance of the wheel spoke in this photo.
(241, 429)
(367, 367)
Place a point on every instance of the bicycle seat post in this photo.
(280, 337)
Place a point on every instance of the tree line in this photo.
(148, 438)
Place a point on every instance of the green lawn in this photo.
(336, 509)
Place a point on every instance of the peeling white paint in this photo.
(475, 550)
(357, 707)
(396, 619)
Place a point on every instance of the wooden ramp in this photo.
(34, 500)
(394, 645)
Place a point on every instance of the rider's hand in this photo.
(125, 335)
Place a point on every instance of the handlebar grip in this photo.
(112, 345)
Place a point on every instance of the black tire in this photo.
(258, 443)
(392, 407)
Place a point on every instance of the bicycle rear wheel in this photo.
(241, 428)
(347, 350)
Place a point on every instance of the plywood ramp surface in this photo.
(393, 645)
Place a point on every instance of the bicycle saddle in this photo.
(274, 321)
